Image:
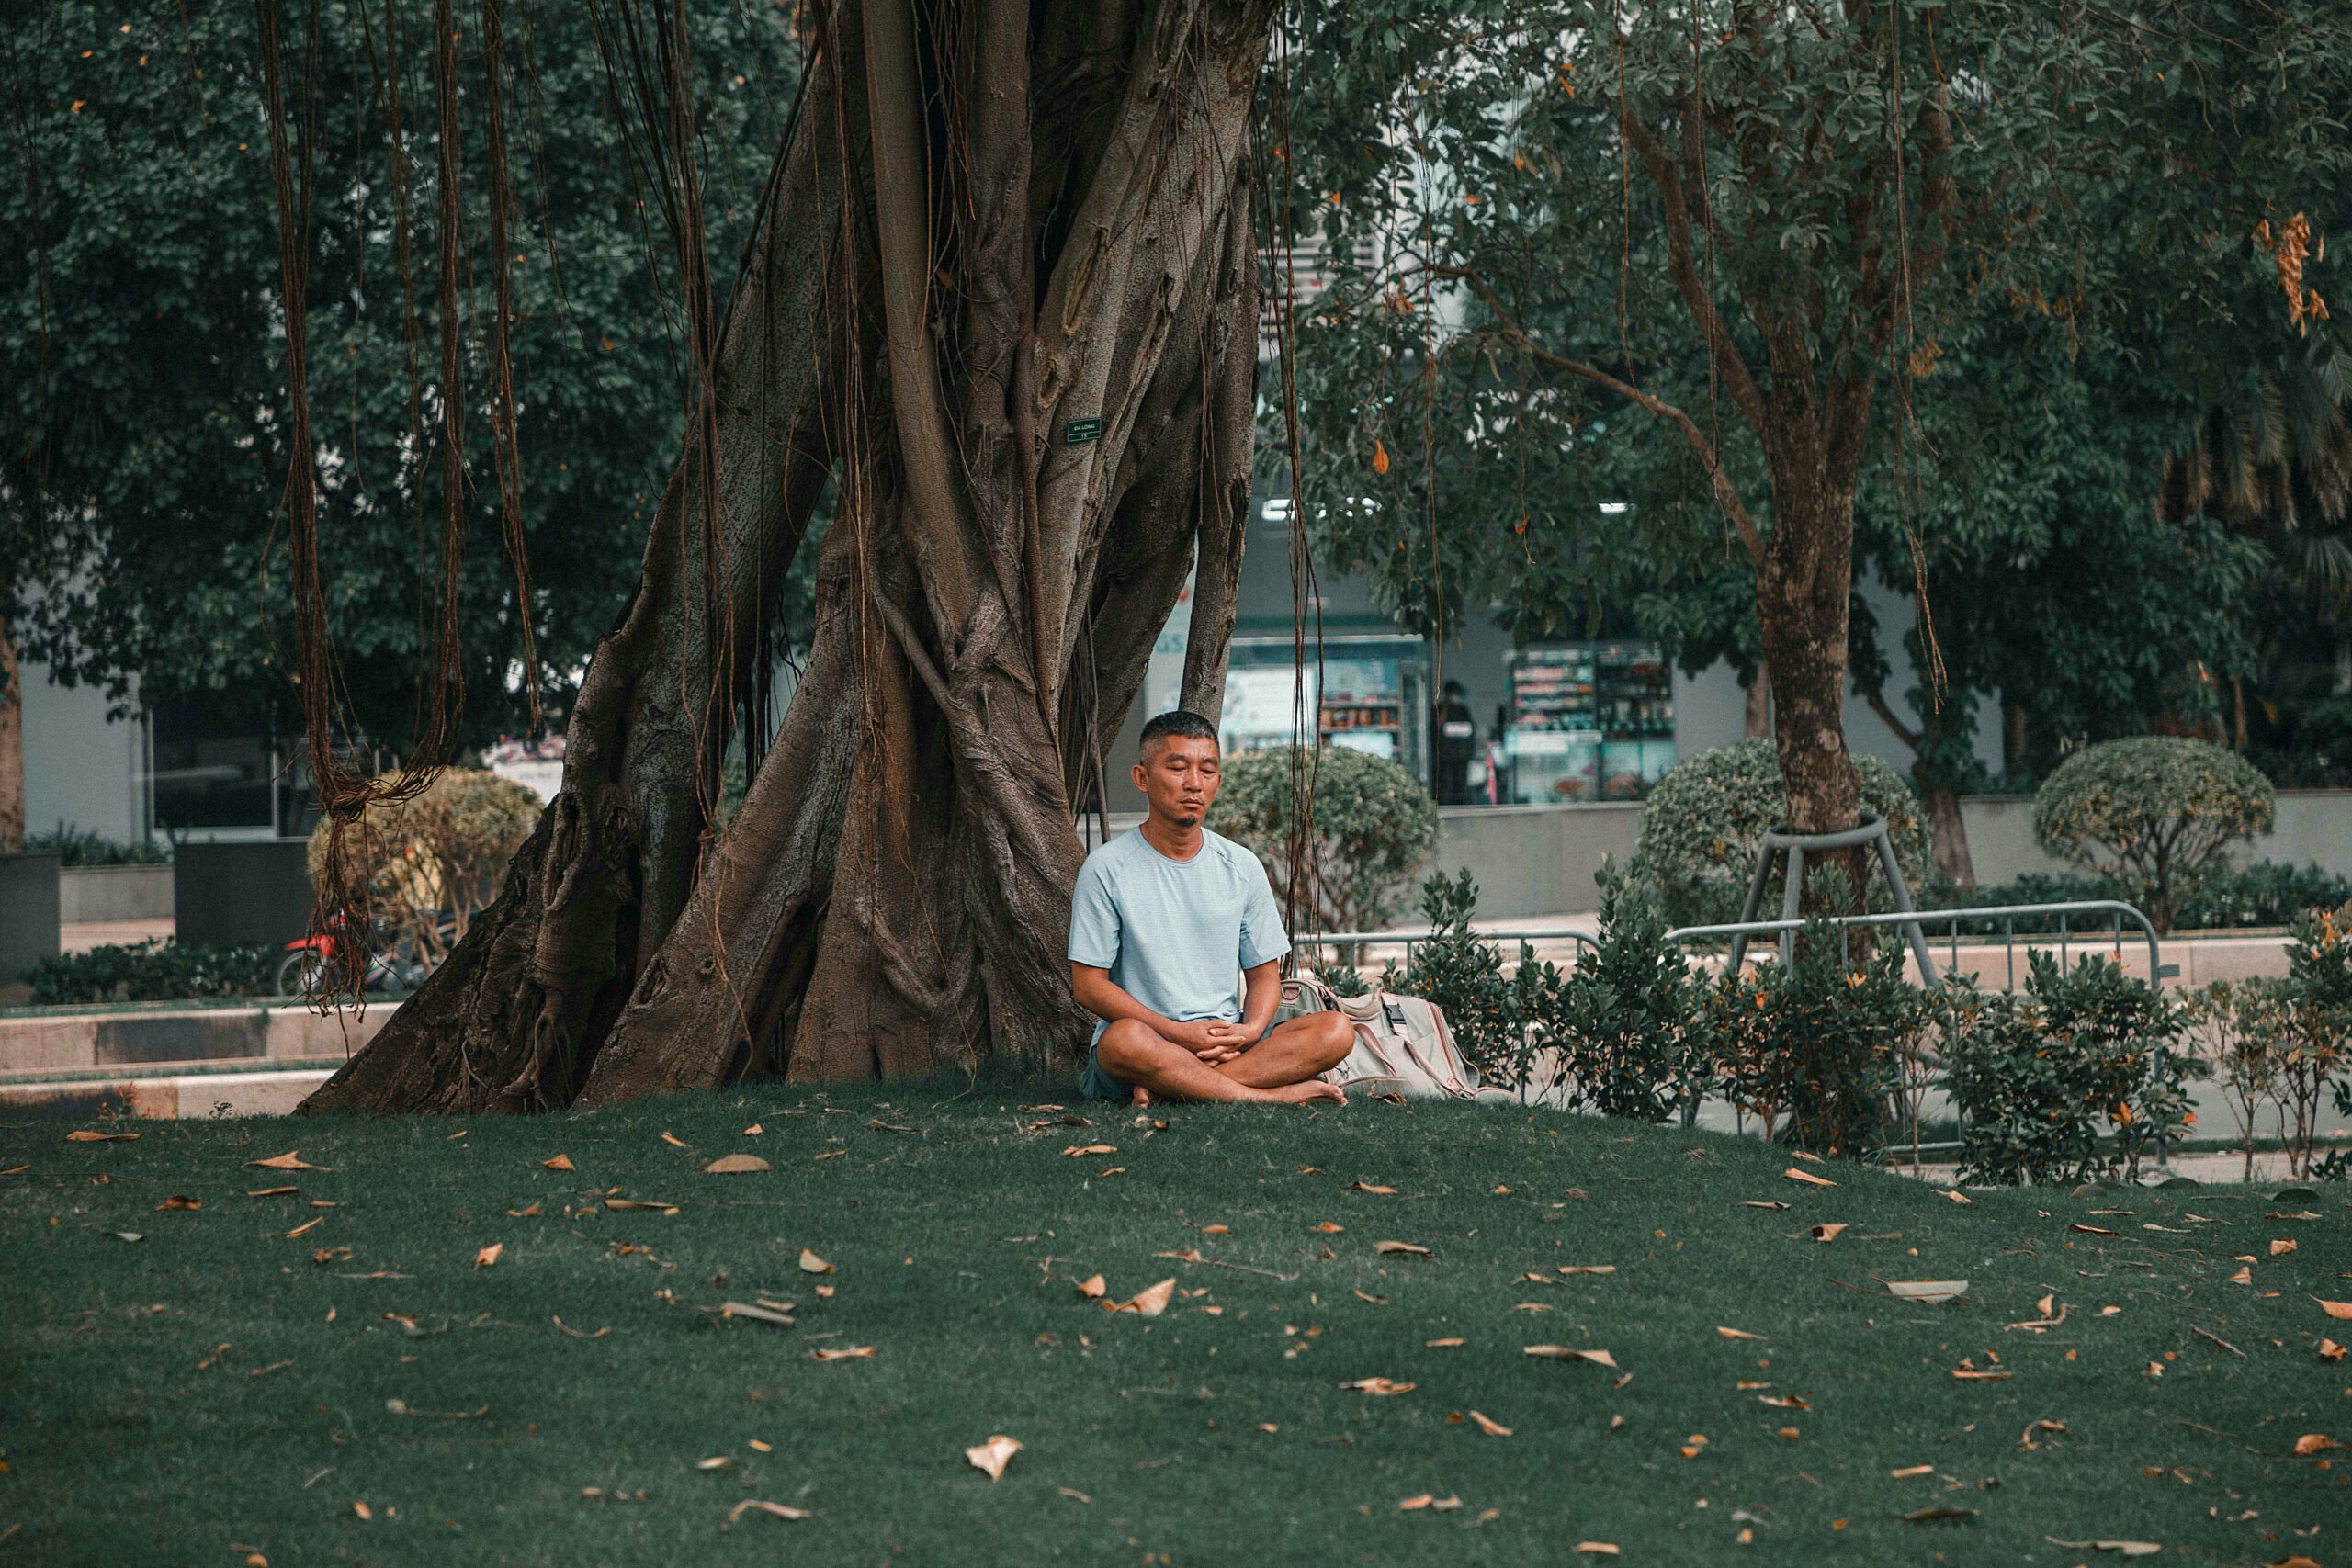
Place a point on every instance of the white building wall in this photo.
(82, 769)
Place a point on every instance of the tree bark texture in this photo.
(12, 745)
(991, 221)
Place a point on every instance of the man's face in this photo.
(1179, 777)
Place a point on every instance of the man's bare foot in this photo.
(1141, 1098)
(1314, 1091)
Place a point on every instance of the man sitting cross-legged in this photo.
(1176, 945)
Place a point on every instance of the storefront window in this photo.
(1371, 695)
(1586, 721)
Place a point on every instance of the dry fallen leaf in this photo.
(2277, 1247)
(1489, 1425)
(307, 1224)
(180, 1203)
(1374, 1187)
(1408, 1248)
(1909, 1471)
(1091, 1287)
(2245, 1276)
(1079, 1151)
(1959, 1197)
(756, 1314)
(1565, 1353)
(2315, 1443)
(812, 1264)
(1584, 1269)
(1150, 1302)
(1381, 1386)
(272, 1191)
(1328, 1228)
(1595, 1549)
(2121, 1547)
(2329, 1350)
(1929, 1291)
(846, 1353)
(84, 1136)
(1784, 1401)
(362, 1510)
(1737, 1333)
(1441, 1344)
(715, 1461)
(774, 1510)
(671, 1140)
(488, 1254)
(653, 1203)
(2056, 1427)
(2090, 1230)
(736, 1165)
(291, 1160)
(1794, 1174)
(1936, 1512)
(560, 1162)
(1217, 1230)
(1372, 1300)
(991, 1457)
(1762, 1203)
(753, 1131)
(2339, 1309)
(1827, 1233)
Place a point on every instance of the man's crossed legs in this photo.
(1284, 1066)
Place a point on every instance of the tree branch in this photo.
(1682, 267)
(1726, 496)
(934, 515)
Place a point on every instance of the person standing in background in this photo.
(1456, 734)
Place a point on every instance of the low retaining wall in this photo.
(94, 894)
(40, 1042)
(2313, 826)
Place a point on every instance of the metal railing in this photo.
(1351, 945)
(2117, 911)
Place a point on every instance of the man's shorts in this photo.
(1095, 1083)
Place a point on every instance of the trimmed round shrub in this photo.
(2154, 812)
(1373, 826)
(1701, 825)
(437, 857)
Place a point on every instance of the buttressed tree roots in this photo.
(992, 220)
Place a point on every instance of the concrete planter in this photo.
(231, 893)
(88, 895)
(28, 913)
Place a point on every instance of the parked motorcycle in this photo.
(312, 964)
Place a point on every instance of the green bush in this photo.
(436, 857)
(1622, 1025)
(2044, 1081)
(78, 847)
(1702, 825)
(1374, 827)
(2262, 893)
(2246, 1030)
(2154, 812)
(154, 972)
(1463, 974)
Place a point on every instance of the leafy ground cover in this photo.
(358, 1358)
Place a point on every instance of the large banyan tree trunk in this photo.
(995, 223)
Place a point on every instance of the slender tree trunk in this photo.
(1756, 707)
(2012, 732)
(12, 745)
(1046, 416)
(1949, 830)
(1801, 591)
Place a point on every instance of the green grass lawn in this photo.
(224, 1386)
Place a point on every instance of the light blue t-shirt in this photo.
(1175, 934)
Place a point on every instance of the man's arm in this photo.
(1261, 991)
(1211, 1039)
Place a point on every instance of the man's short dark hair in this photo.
(1176, 724)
